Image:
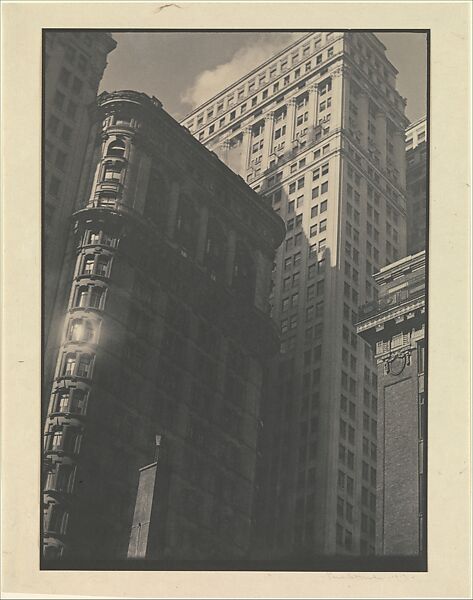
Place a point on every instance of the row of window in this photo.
(261, 80)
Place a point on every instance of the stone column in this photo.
(313, 105)
(291, 120)
(363, 116)
(268, 140)
(231, 248)
(245, 150)
(381, 138)
(337, 100)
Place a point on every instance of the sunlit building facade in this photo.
(318, 131)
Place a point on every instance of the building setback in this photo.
(74, 63)
(394, 326)
(416, 181)
(164, 342)
(318, 130)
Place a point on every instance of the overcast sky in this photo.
(186, 68)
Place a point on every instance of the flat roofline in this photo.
(248, 75)
(401, 261)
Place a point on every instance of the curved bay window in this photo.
(215, 250)
(88, 265)
(107, 199)
(89, 296)
(98, 237)
(187, 227)
(102, 266)
(116, 149)
(56, 519)
(84, 366)
(244, 273)
(70, 401)
(81, 330)
(77, 365)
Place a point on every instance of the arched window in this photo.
(102, 266)
(116, 148)
(187, 226)
(88, 267)
(215, 250)
(82, 294)
(244, 273)
(96, 297)
(69, 364)
(84, 366)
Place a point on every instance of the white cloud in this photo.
(210, 82)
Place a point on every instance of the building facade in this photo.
(73, 64)
(165, 338)
(416, 181)
(394, 326)
(318, 130)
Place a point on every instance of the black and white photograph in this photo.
(234, 299)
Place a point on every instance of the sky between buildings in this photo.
(183, 69)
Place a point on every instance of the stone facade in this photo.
(395, 327)
(166, 335)
(318, 131)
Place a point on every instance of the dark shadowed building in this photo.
(394, 325)
(416, 183)
(163, 348)
(74, 64)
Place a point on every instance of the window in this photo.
(324, 187)
(323, 206)
(300, 183)
(116, 149)
(84, 366)
(69, 365)
(323, 225)
(102, 266)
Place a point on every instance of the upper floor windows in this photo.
(116, 148)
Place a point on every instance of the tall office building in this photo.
(165, 337)
(416, 185)
(318, 130)
(74, 63)
(394, 325)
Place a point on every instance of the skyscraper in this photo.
(318, 130)
(74, 62)
(416, 185)
(165, 336)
